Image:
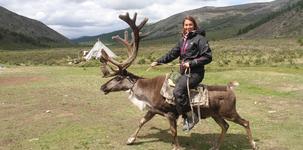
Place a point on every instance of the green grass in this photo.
(45, 104)
(81, 117)
(226, 53)
(55, 56)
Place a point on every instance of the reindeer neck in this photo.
(132, 78)
(148, 87)
(147, 91)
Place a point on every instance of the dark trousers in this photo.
(180, 91)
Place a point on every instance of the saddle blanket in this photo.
(198, 96)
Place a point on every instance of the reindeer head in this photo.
(122, 79)
(120, 82)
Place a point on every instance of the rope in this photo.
(199, 111)
(189, 99)
(187, 73)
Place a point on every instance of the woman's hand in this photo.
(153, 64)
(186, 65)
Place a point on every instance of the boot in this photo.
(190, 120)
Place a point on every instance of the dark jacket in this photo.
(194, 49)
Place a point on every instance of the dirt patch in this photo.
(20, 80)
(290, 88)
(65, 114)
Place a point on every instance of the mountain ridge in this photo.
(286, 22)
(219, 22)
(26, 32)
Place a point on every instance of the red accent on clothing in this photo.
(184, 46)
(183, 51)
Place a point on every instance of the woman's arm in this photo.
(171, 55)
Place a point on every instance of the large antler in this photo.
(132, 47)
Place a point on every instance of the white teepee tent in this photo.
(95, 52)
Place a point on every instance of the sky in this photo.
(76, 18)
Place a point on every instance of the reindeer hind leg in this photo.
(148, 116)
(238, 120)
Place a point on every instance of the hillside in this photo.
(18, 32)
(219, 22)
(106, 38)
(286, 23)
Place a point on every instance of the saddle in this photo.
(198, 96)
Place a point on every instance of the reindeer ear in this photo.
(104, 70)
(104, 54)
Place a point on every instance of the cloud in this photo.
(89, 30)
(132, 4)
(74, 18)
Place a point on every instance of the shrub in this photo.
(301, 41)
(150, 56)
(91, 63)
(259, 61)
(142, 61)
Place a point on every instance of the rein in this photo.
(161, 64)
(132, 82)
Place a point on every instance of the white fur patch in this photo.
(139, 103)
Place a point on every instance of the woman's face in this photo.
(188, 26)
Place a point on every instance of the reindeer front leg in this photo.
(148, 116)
(173, 128)
(224, 126)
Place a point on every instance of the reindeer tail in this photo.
(233, 84)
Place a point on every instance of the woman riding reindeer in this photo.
(194, 52)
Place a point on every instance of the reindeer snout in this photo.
(102, 88)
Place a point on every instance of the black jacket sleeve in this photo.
(171, 55)
(205, 56)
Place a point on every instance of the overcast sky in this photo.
(75, 18)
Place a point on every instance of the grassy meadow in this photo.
(226, 53)
(59, 106)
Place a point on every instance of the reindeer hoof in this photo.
(130, 141)
(214, 148)
(254, 146)
(176, 148)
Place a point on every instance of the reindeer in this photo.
(146, 92)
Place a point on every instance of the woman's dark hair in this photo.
(190, 18)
